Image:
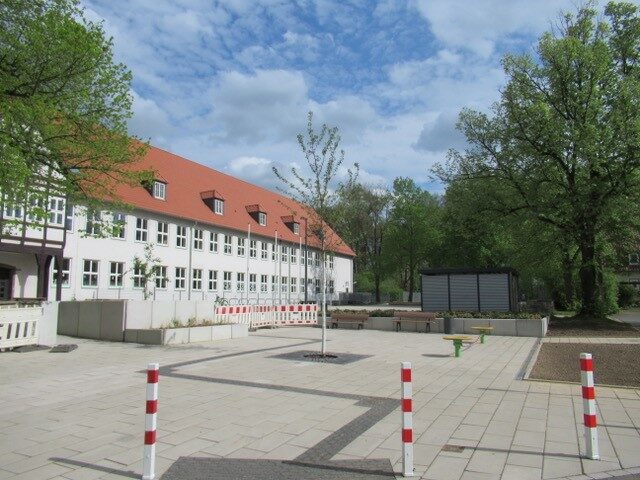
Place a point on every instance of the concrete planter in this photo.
(176, 336)
(514, 327)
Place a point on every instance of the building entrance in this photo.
(6, 277)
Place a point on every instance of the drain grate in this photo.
(452, 448)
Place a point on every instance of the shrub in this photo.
(627, 295)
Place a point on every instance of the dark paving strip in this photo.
(169, 368)
(315, 463)
(193, 468)
(270, 386)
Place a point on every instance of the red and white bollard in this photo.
(589, 404)
(150, 423)
(407, 420)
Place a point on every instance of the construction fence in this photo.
(259, 316)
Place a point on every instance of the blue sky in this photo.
(228, 84)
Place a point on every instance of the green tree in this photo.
(562, 145)
(64, 106)
(413, 233)
(317, 193)
(360, 218)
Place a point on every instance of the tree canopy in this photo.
(561, 147)
(64, 106)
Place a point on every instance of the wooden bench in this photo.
(355, 318)
(416, 317)
(483, 329)
(458, 340)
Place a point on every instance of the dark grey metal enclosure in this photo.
(470, 289)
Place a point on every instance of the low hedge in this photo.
(454, 314)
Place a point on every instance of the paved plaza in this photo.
(252, 408)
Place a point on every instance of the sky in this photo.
(229, 84)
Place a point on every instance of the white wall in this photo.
(25, 279)
(106, 250)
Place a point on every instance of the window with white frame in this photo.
(213, 280)
(116, 274)
(68, 217)
(181, 236)
(274, 253)
(66, 269)
(252, 282)
(317, 282)
(285, 253)
(241, 245)
(330, 261)
(274, 283)
(196, 279)
(227, 244)
(163, 233)
(90, 273)
(56, 211)
(293, 285)
(239, 282)
(264, 283)
(316, 259)
(213, 242)
(264, 250)
(284, 284)
(159, 190)
(161, 276)
(138, 277)
(296, 228)
(226, 281)
(218, 206)
(119, 225)
(36, 212)
(180, 281)
(253, 248)
(142, 229)
(331, 286)
(12, 207)
(293, 253)
(262, 218)
(94, 220)
(198, 239)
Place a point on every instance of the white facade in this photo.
(200, 261)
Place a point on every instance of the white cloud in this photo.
(478, 25)
(441, 134)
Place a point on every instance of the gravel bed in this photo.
(614, 364)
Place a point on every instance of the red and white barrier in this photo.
(589, 404)
(269, 315)
(407, 419)
(150, 423)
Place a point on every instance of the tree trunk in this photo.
(411, 281)
(567, 277)
(588, 274)
(376, 282)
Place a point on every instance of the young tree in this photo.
(146, 267)
(563, 144)
(64, 106)
(317, 193)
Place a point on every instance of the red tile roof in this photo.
(187, 181)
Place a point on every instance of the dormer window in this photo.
(257, 213)
(159, 190)
(291, 222)
(634, 259)
(218, 206)
(214, 200)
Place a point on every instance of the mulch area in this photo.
(614, 364)
(590, 327)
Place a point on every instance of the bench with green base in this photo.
(484, 330)
(458, 340)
